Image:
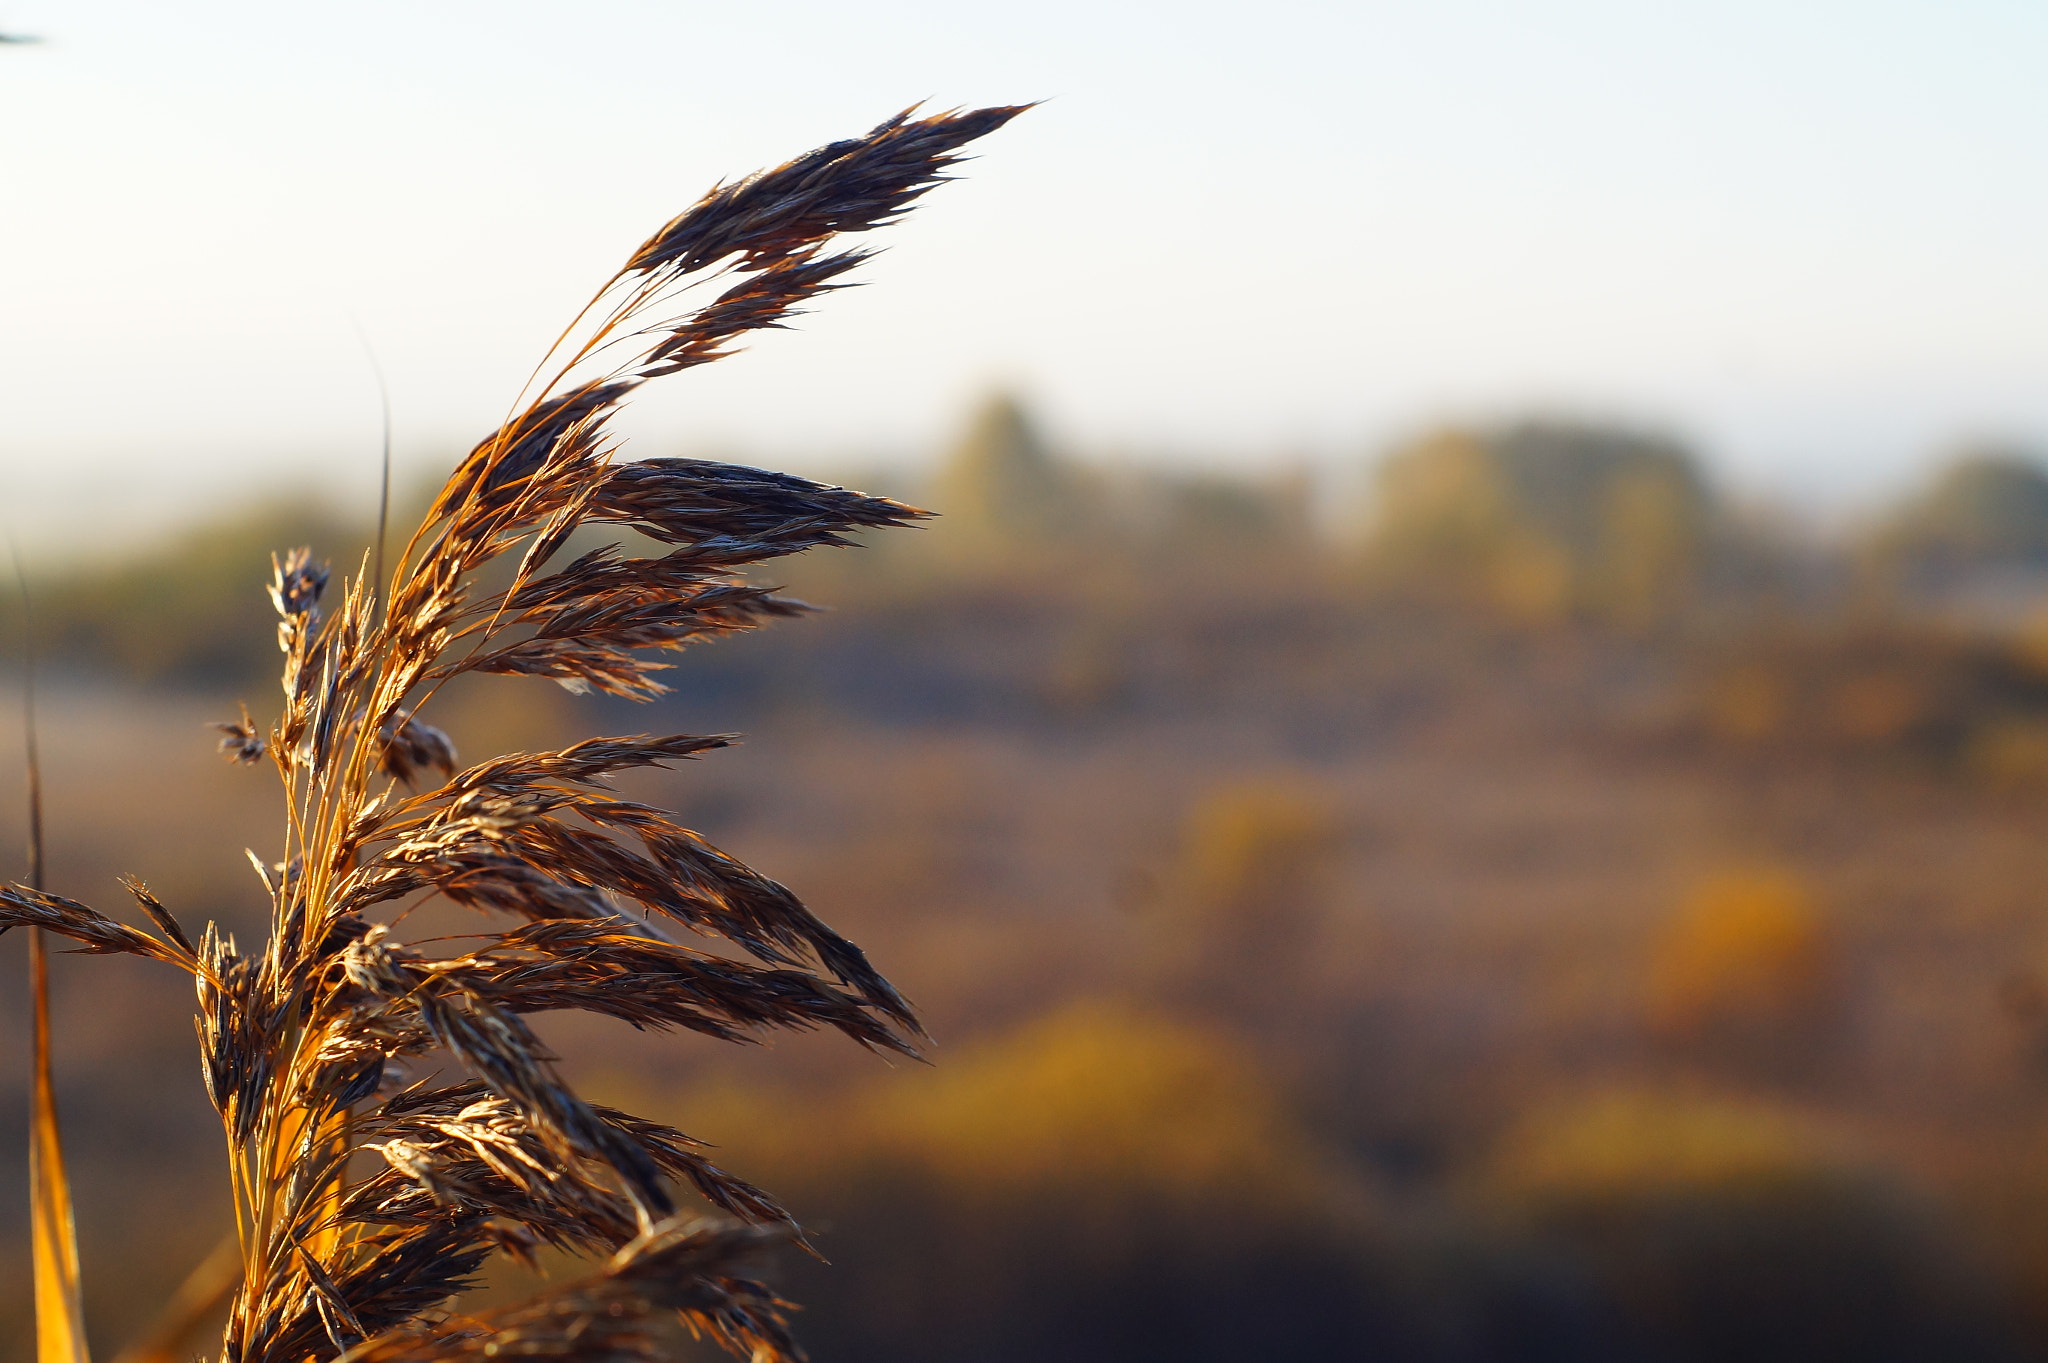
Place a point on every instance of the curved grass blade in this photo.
(60, 1315)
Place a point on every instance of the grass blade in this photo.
(60, 1316)
(377, 582)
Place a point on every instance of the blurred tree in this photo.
(1545, 519)
(1651, 524)
(1227, 519)
(189, 611)
(1987, 505)
(1000, 490)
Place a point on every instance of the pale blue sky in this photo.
(1810, 236)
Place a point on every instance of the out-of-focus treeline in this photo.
(1548, 911)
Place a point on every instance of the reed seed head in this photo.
(310, 1045)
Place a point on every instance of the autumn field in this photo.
(1449, 941)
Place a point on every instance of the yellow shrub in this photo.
(1629, 1142)
(1242, 836)
(1100, 1173)
(1101, 1093)
(1247, 900)
(1725, 1228)
(1098, 1097)
(1747, 950)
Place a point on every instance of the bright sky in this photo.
(1807, 234)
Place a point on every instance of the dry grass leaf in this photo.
(60, 1316)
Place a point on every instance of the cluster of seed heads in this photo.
(335, 1039)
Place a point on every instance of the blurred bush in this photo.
(1745, 969)
(1242, 909)
(1725, 1230)
(1013, 511)
(1104, 1184)
(1917, 692)
(1004, 497)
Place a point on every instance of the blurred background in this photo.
(1463, 776)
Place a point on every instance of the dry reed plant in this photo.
(317, 1046)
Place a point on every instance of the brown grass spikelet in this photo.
(241, 741)
(369, 1189)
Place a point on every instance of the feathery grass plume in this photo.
(310, 1043)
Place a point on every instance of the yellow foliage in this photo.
(1100, 1098)
(1648, 544)
(1635, 1141)
(1101, 1093)
(1531, 578)
(1544, 520)
(1732, 1228)
(1101, 1158)
(1441, 500)
(1748, 946)
(1244, 834)
(1248, 897)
